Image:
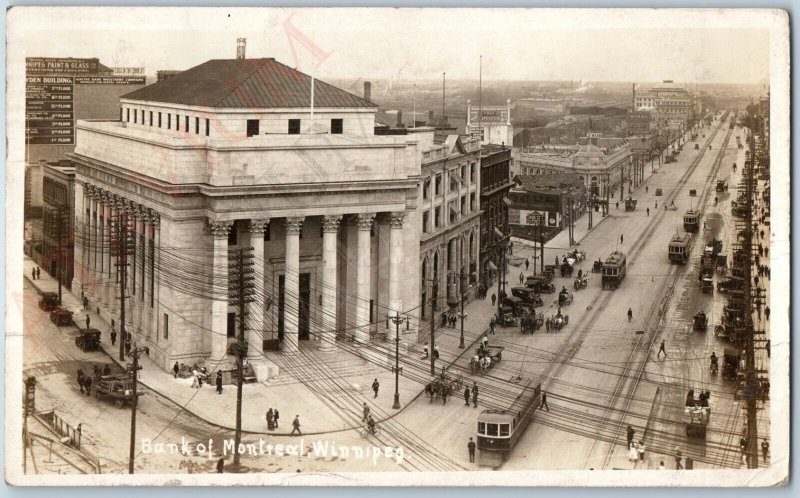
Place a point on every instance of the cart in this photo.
(707, 285)
(693, 192)
(730, 363)
(581, 282)
(630, 204)
(700, 321)
(89, 340)
(556, 322)
(485, 358)
(696, 418)
(566, 267)
(565, 297)
(49, 301)
(60, 316)
(118, 388)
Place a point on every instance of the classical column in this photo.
(257, 310)
(330, 230)
(155, 220)
(291, 286)
(219, 303)
(363, 294)
(395, 267)
(78, 248)
(452, 261)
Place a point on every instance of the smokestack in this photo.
(399, 119)
(430, 118)
(367, 90)
(240, 43)
(633, 88)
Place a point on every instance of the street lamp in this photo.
(397, 320)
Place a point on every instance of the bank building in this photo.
(230, 154)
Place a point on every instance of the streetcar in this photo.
(613, 270)
(691, 221)
(499, 430)
(679, 248)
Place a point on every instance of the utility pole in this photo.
(461, 285)
(241, 291)
(60, 247)
(435, 292)
(122, 247)
(397, 320)
(134, 402)
(751, 382)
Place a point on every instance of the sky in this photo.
(409, 44)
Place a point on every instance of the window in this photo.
(197, 126)
(438, 184)
(481, 427)
(464, 173)
(491, 430)
(472, 176)
(371, 311)
(151, 118)
(159, 120)
(142, 116)
(453, 180)
(207, 126)
(337, 125)
(294, 127)
(426, 218)
(120, 113)
(438, 217)
(426, 189)
(166, 326)
(186, 124)
(463, 205)
(252, 127)
(473, 204)
(504, 430)
(169, 121)
(135, 116)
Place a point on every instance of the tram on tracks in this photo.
(691, 221)
(613, 270)
(679, 248)
(499, 430)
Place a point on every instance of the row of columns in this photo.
(330, 229)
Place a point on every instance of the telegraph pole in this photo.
(751, 381)
(121, 247)
(134, 402)
(241, 289)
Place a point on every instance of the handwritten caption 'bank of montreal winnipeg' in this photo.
(322, 449)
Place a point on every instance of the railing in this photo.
(52, 420)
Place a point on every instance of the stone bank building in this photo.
(232, 153)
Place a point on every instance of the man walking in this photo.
(39, 270)
(85, 302)
(466, 395)
(471, 448)
(492, 324)
(475, 394)
(640, 449)
(33, 273)
(630, 314)
(544, 402)
(366, 412)
(494, 298)
(175, 369)
(662, 349)
(764, 449)
(88, 320)
(766, 313)
(113, 336)
(631, 432)
(220, 465)
(219, 382)
(375, 386)
(678, 459)
(621, 238)
(296, 425)
(80, 379)
(275, 417)
(527, 264)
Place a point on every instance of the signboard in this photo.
(488, 115)
(109, 80)
(128, 71)
(50, 65)
(49, 110)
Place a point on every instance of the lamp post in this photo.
(397, 320)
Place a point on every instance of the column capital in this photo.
(330, 223)
(259, 225)
(364, 221)
(294, 224)
(396, 219)
(154, 218)
(219, 229)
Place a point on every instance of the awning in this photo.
(507, 201)
(491, 265)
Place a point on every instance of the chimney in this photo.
(240, 43)
(367, 90)
(399, 119)
(430, 118)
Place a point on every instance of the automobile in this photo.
(700, 321)
(49, 301)
(527, 295)
(540, 284)
(518, 306)
(61, 316)
(659, 192)
(89, 340)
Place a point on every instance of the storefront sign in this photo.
(49, 65)
(49, 110)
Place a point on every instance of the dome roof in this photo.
(589, 151)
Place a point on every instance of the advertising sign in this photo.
(128, 71)
(109, 80)
(488, 114)
(50, 65)
(49, 110)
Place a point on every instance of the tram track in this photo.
(632, 377)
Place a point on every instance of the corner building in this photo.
(231, 154)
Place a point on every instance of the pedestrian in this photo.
(175, 370)
(766, 252)
(33, 273)
(270, 423)
(656, 204)
(485, 341)
(494, 298)
(445, 392)
(296, 425)
(648, 211)
(633, 453)
(466, 395)
(128, 345)
(646, 189)
(678, 459)
(544, 402)
(475, 394)
(527, 264)
(631, 432)
(760, 249)
(425, 351)
(107, 369)
(88, 320)
(471, 448)
(220, 465)
(85, 302)
(275, 417)
(661, 465)
(375, 386)
(764, 449)
(662, 349)
(113, 336)
(521, 278)
(640, 448)
(630, 314)
(219, 382)
(617, 203)
(80, 379)
(365, 412)
(755, 280)
(87, 385)
(195, 381)
(39, 270)
(766, 313)
(492, 324)
(760, 233)
(621, 238)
